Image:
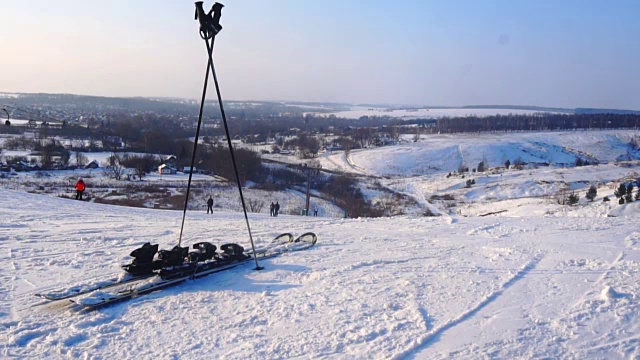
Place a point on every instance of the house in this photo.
(114, 141)
(170, 161)
(186, 170)
(164, 169)
(92, 165)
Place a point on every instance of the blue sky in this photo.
(549, 53)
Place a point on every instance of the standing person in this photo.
(271, 209)
(210, 204)
(315, 211)
(276, 208)
(80, 186)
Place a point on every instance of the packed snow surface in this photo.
(386, 288)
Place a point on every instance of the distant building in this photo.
(170, 161)
(92, 165)
(164, 169)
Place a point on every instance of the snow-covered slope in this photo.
(445, 153)
(424, 288)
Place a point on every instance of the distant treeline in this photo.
(536, 122)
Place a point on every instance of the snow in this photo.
(504, 271)
(384, 288)
(442, 153)
(357, 112)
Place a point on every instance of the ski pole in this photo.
(209, 28)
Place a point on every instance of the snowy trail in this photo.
(371, 288)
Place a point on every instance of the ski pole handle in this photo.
(209, 24)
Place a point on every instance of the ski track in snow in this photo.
(436, 332)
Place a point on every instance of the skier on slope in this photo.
(80, 186)
(276, 208)
(210, 205)
(271, 209)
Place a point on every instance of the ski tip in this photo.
(308, 237)
(285, 237)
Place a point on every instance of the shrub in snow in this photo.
(518, 163)
(573, 198)
(606, 198)
(621, 201)
(591, 194)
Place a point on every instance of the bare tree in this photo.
(81, 159)
(114, 168)
(140, 164)
(255, 205)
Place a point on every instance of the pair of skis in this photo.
(106, 292)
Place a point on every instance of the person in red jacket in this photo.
(79, 189)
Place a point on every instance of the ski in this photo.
(99, 299)
(81, 289)
(129, 279)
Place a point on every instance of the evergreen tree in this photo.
(481, 166)
(620, 191)
(573, 198)
(579, 162)
(621, 201)
(591, 194)
(507, 163)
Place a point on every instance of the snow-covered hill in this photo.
(419, 170)
(424, 288)
(445, 153)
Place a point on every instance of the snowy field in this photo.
(357, 112)
(387, 288)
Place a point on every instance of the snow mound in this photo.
(608, 293)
